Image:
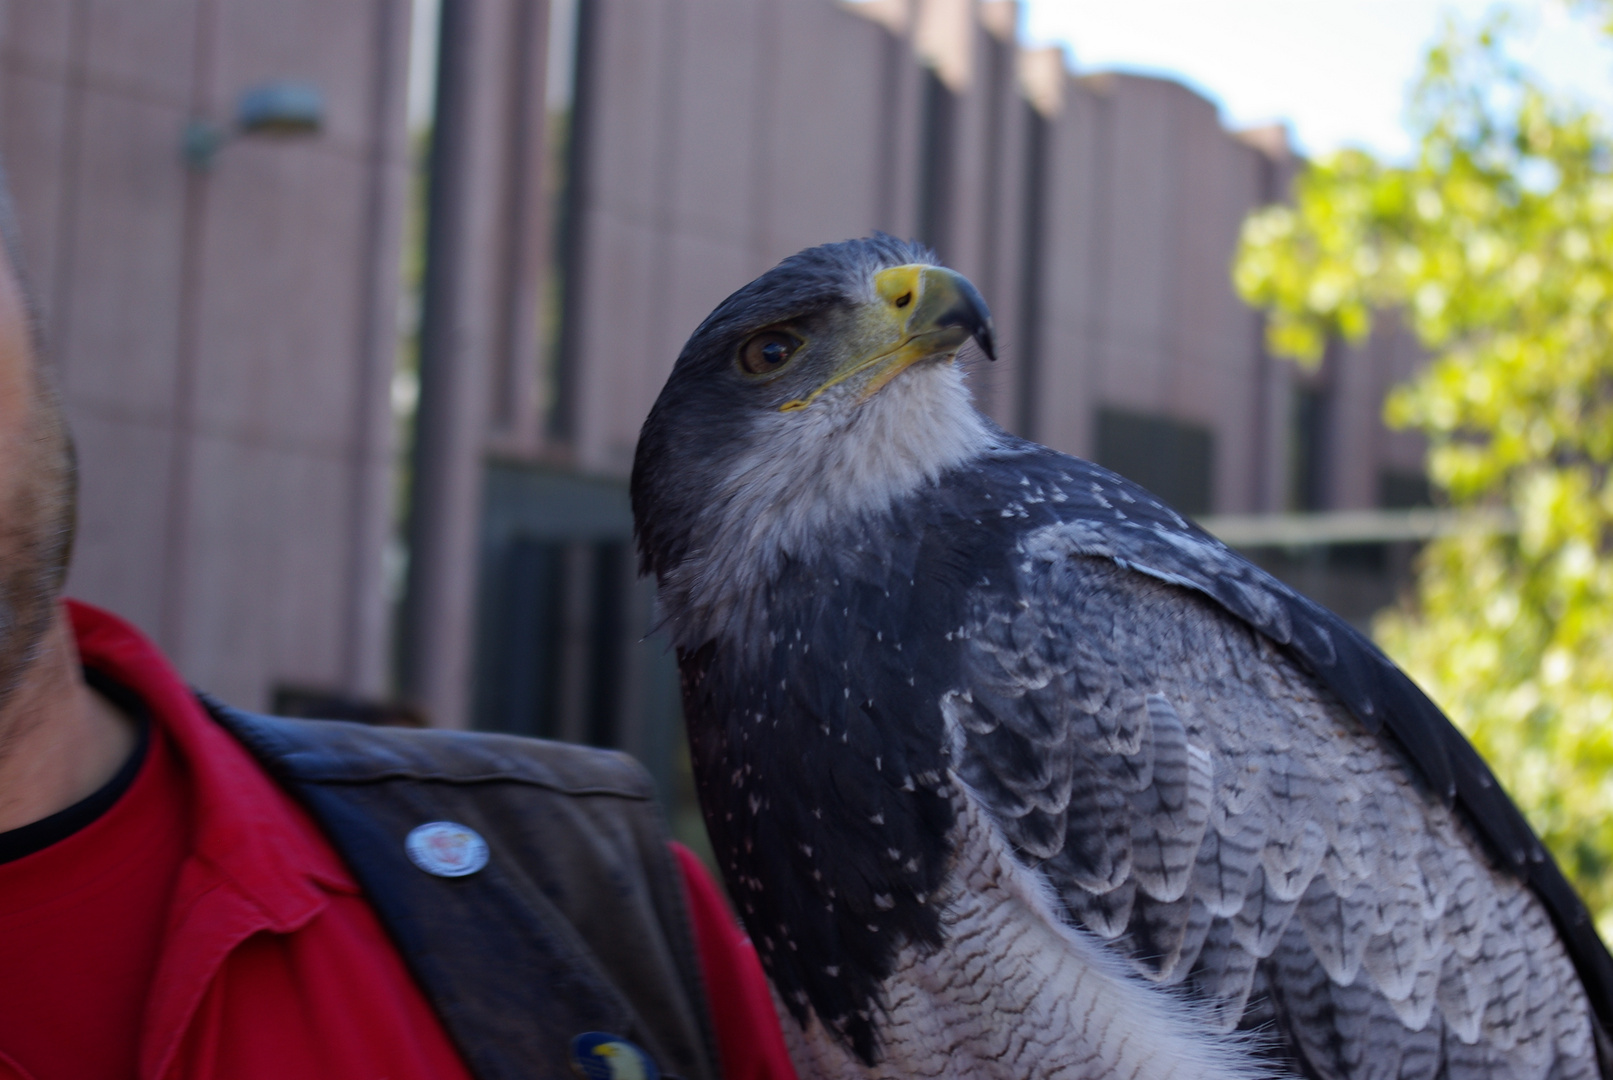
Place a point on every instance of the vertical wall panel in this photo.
(233, 445)
(1072, 271)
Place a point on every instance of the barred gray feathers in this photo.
(1231, 826)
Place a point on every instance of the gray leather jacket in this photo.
(577, 923)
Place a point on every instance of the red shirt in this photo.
(203, 927)
(749, 1040)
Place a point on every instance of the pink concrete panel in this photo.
(620, 297)
(1241, 445)
(1276, 386)
(1003, 236)
(1395, 357)
(118, 321)
(484, 247)
(1177, 341)
(1353, 460)
(281, 296)
(145, 50)
(523, 244)
(632, 105)
(1216, 361)
(93, 139)
(1363, 447)
(262, 595)
(1398, 358)
(122, 531)
(1385, 360)
(1128, 349)
(899, 199)
(1073, 275)
(824, 138)
(976, 158)
(717, 52)
(1146, 195)
(37, 34)
(1211, 353)
(1139, 220)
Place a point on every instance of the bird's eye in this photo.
(767, 351)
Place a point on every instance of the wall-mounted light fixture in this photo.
(279, 108)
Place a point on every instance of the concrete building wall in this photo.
(1367, 375)
(1099, 215)
(225, 339)
(724, 136)
(1146, 195)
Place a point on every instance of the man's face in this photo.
(36, 490)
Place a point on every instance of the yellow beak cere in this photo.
(919, 312)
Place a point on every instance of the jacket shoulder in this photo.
(338, 752)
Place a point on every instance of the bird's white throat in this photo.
(806, 477)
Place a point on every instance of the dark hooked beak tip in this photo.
(971, 313)
(987, 343)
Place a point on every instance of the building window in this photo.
(1401, 489)
(1174, 460)
(1311, 428)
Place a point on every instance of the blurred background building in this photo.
(355, 412)
(224, 325)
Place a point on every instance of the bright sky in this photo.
(1335, 70)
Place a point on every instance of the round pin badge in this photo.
(599, 1055)
(446, 849)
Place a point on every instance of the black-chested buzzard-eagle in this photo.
(1014, 772)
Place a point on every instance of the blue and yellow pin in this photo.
(598, 1055)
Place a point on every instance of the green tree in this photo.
(1495, 245)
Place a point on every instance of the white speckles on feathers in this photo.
(1017, 993)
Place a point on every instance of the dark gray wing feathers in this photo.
(1152, 540)
(1172, 809)
(1192, 794)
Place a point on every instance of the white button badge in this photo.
(446, 848)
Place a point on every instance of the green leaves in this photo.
(1496, 247)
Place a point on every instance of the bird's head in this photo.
(824, 389)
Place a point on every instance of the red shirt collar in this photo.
(248, 833)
